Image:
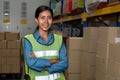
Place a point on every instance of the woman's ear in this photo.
(36, 20)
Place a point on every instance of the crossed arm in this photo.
(52, 61)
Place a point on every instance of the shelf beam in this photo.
(107, 10)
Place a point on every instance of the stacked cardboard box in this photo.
(88, 54)
(113, 71)
(10, 52)
(74, 47)
(2, 45)
(106, 35)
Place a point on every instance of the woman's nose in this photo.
(46, 20)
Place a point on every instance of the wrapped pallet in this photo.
(67, 6)
(77, 6)
(92, 5)
(56, 7)
(53, 7)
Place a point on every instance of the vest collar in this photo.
(40, 40)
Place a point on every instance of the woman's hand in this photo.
(46, 68)
(32, 55)
(53, 61)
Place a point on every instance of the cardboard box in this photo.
(74, 43)
(113, 69)
(101, 64)
(2, 36)
(3, 44)
(103, 50)
(74, 61)
(88, 58)
(114, 52)
(15, 68)
(16, 52)
(100, 75)
(13, 60)
(110, 78)
(91, 33)
(107, 34)
(85, 78)
(88, 72)
(5, 52)
(0, 60)
(3, 60)
(73, 76)
(14, 44)
(12, 36)
(6, 68)
(0, 52)
(89, 45)
(0, 68)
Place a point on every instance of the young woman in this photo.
(44, 52)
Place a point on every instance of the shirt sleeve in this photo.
(63, 64)
(34, 63)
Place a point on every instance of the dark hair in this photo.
(41, 9)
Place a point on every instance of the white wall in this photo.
(15, 16)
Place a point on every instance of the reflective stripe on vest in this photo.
(46, 53)
(49, 77)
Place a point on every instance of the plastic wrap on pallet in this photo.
(67, 6)
(77, 4)
(92, 5)
(53, 7)
(58, 8)
(113, 1)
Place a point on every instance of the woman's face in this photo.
(44, 20)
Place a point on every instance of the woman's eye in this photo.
(49, 17)
(42, 17)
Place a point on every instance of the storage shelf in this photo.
(68, 18)
(107, 10)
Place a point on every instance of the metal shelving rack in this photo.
(100, 12)
(107, 10)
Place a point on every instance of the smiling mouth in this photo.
(46, 25)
